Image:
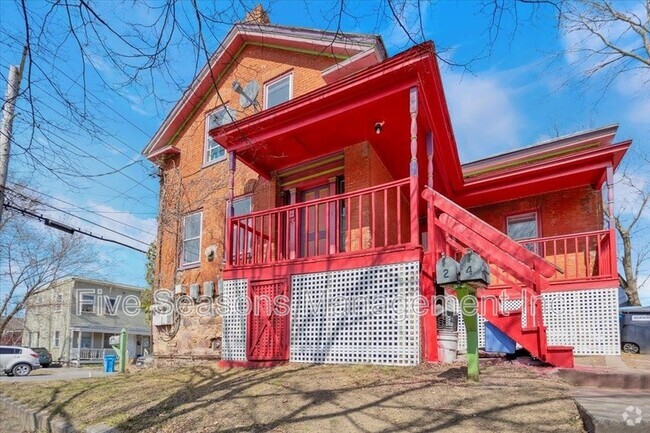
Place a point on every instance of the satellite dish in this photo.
(249, 94)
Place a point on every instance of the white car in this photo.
(18, 361)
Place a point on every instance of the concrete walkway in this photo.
(612, 398)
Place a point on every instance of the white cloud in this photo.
(483, 113)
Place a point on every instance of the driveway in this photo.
(63, 373)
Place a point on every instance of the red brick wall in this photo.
(563, 212)
(188, 186)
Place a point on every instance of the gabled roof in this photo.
(353, 52)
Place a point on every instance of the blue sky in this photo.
(516, 93)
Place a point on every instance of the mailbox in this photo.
(194, 291)
(208, 289)
(114, 340)
(474, 271)
(447, 271)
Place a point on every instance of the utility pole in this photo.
(13, 87)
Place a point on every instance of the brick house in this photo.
(12, 335)
(302, 164)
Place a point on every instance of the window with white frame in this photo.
(87, 303)
(110, 307)
(191, 254)
(523, 226)
(57, 338)
(219, 117)
(278, 91)
(58, 301)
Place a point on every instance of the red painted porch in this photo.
(392, 222)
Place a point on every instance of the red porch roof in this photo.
(345, 113)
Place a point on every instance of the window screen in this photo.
(523, 226)
(278, 91)
(191, 239)
(218, 117)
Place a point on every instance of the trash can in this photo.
(109, 363)
(447, 345)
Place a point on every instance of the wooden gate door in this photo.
(268, 324)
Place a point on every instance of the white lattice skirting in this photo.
(584, 319)
(361, 315)
(234, 320)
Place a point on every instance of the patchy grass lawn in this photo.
(308, 398)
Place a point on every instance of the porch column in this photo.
(610, 197)
(430, 159)
(332, 223)
(413, 108)
(230, 211)
(293, 224)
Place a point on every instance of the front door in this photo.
(313, 223)
(268, 321)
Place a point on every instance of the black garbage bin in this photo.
(635, 329)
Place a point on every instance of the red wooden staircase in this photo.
(452, 230)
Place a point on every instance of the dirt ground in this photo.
(309, 398)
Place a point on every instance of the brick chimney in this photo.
(257, 16)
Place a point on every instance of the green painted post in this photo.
(468, 304)
(122, 353)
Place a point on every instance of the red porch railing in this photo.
(368, 219)
(578, 257)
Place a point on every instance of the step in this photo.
(559, 356)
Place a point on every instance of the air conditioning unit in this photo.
(163, 319)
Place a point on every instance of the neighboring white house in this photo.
(74, 318)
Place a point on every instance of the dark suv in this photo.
(44, 356)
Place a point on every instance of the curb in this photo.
(596, 379)
(31, 420)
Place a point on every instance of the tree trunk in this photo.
(631, 289)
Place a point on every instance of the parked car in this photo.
(44, 356)
(635, 329)
(18, 361)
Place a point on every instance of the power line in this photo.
(97, 224)
(72, 204)
(63, 227)
(117, 171)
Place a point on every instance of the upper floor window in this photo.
(524, 226)
(110, 307)
(57, 338)
(87, 303)
(278, 91)
(219, 117)
(191, 254)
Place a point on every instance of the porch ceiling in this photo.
(345, 113)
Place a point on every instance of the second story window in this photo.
(191, 254)
(523, 226)
(219, 117)
(87, 304)
(278, 91)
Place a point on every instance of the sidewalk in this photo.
(612, 397)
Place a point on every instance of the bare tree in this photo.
(32, 257)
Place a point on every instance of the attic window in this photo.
(278, 91)
(219, 117)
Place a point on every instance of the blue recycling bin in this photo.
(498, 342)
(109, 363)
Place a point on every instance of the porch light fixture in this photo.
(378, 127)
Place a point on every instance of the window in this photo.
(523, 226)
(58, 300)
(57, 338)
(109, 307)
(10, 351)
(191, 239)
(87, 303)
(219, 117)
(278, 91)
